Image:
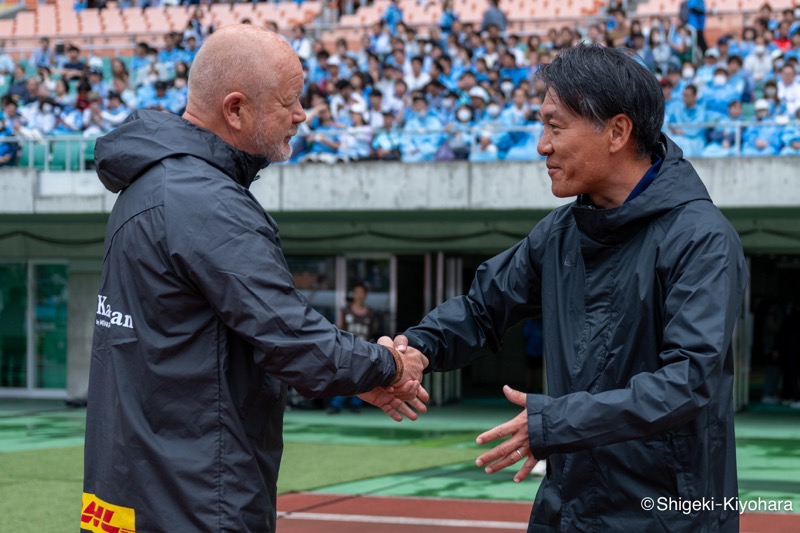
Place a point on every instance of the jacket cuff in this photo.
(416, 342)
(537, 433)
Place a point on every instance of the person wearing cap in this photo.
(422, 133)
(387, 140)
(479, 99)
(705, 73)
(357, 137)
(764, 137)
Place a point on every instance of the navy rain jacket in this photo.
(199, 328)
(639, 304)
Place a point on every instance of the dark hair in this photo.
(598, 83)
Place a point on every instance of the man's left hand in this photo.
(513, 450)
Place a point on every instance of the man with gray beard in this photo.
(199, 328)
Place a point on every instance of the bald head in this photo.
(239, 58)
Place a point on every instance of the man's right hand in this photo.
(414, 363)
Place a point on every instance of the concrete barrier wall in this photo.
(744, 182)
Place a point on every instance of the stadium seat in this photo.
(25, 24)
(66, 155)
(37, 151)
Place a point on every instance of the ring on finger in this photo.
(519, 453)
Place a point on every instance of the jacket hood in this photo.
(676, 184)
(148, 137)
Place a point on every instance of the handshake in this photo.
(406, 392)
(406, 395)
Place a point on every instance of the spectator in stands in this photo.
(680, 118)
(392, 16)
(96, 82)
(195, 27)
(190, 49)
(115, 111)
(789, 89)
(526, 143)
(620, 28)
(763, 138)
(483, 149)
(758, 63)
(448, 17)
(120, 86)
(478, 99)
(42, 56)
(744, 45)
(170, 53)
(40, 115)
(416, 79)
(718, 94)
(790, 137)
(159, 100)
(422, 133)
(494, 16)
(62, 95)
(680, 40)
(18, 86)
(6, 63)
(300, 43)
(740, 79)
(380, 40)
(356, 140)
(8, 149)
(386, 142)
(31, 91)
(663, 56)
(705, 73)
(782, 40)
(722, 137)
(697, 19)
(94, 124)
(73, 68)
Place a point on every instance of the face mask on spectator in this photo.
(507, 87)
(759, 49)
(464, 115)
(778, 65)
(770, 91)
(656, 40)
(448, 103)
(421, 114)
(720, 79)
(687, 73)
(428, 48)
(493, 110)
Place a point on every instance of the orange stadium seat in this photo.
(113, 20)
(25, 25)
(68, 24)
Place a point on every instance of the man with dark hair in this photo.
(640, 281)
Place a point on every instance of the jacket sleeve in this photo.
(233, 257)
(506, 290)
(704, 290)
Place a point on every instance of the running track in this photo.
(340, 513)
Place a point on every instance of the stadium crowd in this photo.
(454, 91)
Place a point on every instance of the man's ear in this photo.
(233, 110)
(619, 128)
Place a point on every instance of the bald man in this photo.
(198, 327)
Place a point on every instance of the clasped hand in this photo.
(397, 401)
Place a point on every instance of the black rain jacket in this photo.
(639, 304)
(199, 328)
